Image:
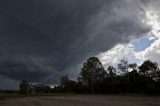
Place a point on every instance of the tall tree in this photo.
(112, 71)
(67, 84)
(92, 73)
(63, 81)
(123, 65)
(133, 66)
(24, 87)
(149, 68)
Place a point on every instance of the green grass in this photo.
(16, 95)
(4, 96)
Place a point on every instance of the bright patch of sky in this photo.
(142, 43)
(138, 50)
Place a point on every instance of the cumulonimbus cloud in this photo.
(65, 32)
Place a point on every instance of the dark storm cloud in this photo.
(62, 32)
(25, 67)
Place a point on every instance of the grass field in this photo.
(82, 100)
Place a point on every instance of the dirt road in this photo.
(80, 100)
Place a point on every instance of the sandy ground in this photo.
(81, 100)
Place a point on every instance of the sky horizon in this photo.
(41, 40)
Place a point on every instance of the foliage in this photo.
(149, 68)
(66, 84)
(128, 82)
(92, 74)
(93, 78)
(24, 87)
(41, 88)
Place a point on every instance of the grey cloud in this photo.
(7, 83)
(64, 32)
(20, 67)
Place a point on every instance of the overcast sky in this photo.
(41, 40)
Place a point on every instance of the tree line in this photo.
(94, 79)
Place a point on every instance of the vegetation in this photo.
(92, 75)
(24, 87)
(93, 78)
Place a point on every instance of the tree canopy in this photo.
(92, 73)
(93, 78)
